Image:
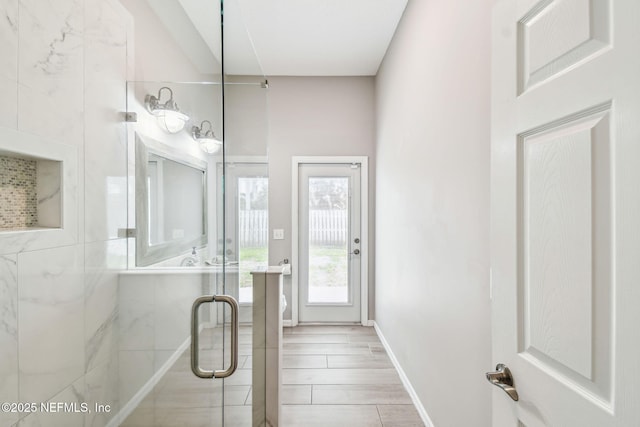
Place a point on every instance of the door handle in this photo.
(356, 251)
(502, 378)
(195, 354)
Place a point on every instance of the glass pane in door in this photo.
(253, 232)
(328, 240)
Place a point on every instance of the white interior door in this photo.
(329, 243)
(565, 211)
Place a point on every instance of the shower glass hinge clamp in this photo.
(130, 117)
(264, 84)
(126, 232)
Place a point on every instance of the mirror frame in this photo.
(146, 254)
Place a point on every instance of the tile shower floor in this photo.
(332, 376)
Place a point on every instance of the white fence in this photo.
(254, 228)
(326, 227)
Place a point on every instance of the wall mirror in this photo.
(171, 201)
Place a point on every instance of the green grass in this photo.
(253, 254)
(250, 258)
(328, 266)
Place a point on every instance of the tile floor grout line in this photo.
(379, 415)
(393, 411)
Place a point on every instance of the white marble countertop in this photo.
(272, 269)
(183, 270)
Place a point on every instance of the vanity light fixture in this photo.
(168, 115)
(206, 138)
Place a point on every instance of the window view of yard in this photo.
(328, 274)
(253, 232)
(251, 258)
(328, 237)
(328, 240)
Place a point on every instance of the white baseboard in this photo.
(288, 323)
(403, 377)
(133, 403)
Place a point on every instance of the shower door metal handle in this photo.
(195, 362)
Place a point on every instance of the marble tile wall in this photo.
(9, 66)
(51, 319)
(103, 262)
(8, 334)
(58, 306)
(266, 380)
(51, 69)
(105, 53)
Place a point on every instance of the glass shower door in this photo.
(245, 199)
(245, 230)
(186, 346)
(173, 261)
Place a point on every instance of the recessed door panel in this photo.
(565, 249)
(555, 35)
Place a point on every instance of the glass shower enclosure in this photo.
(133, 183)
(197, 215)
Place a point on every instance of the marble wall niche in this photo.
(30, 193)
(56, 191)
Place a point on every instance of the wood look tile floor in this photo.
(332, 376)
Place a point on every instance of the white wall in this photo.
(432, 231)
(246, 116)
(316, 116)
(158, 55)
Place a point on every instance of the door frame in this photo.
(296, 161)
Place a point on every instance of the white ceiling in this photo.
(299, 37)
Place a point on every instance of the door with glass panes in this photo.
(246, 229)
(329, 243)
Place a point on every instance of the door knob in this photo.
(356, 251)
(502, 378)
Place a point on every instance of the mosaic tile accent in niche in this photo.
(18, 198)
